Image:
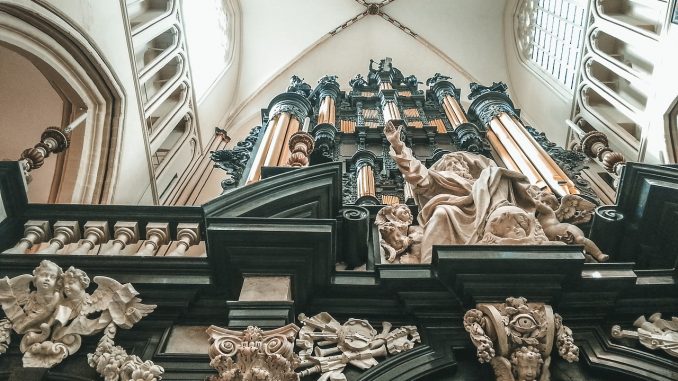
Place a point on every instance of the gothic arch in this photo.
(85, 81)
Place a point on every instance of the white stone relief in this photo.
(325, 347)
(114, 364)
(654, 333)
(517, 338)
(52, 310)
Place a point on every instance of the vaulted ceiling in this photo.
(310, 38)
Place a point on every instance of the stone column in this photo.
(287, 112)
(517, 148)
(365, 166)
(466, 134)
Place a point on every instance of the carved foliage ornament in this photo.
(52, 310)
(517, 338)
(653, 333)
(234, 161)
(325, 346)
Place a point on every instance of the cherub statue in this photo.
(399, 239)
(55, 315)
(571, 208)
(509, 225)
(29, 310)
(527, 364)
(568, 233)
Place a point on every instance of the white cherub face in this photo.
(510, 222)
(72, 287)
(403, 213)
(46, 279)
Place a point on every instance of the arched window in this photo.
(549, 34)
(209, 36)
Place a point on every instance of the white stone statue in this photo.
(400, 240)
(457, 193)
(53, 317)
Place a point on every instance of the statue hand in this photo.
(393, 136)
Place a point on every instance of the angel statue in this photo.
(558, 220)
(52, 309)
(400, 240)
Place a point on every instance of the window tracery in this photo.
(549, 35)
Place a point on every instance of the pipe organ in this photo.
(347, 126)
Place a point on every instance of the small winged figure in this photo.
(52, 309)
(111, 302)
(575, 210)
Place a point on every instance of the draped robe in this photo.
(453, 208)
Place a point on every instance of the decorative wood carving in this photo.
(52, 310)
(326, 347)
(253, 354)
(114, 364)
(654, 333)
(517, 337)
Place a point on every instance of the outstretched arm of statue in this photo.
(412, 169)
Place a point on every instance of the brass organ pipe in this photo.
(255, 170)
(533, 155)
(516, 153)
(501, 151)
(557, 173)
(323, 116)
(333, 112)
(365, 181)
(449, 111)
(292, 127)
(457, 110)
(277, 141)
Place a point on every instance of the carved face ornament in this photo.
(46, 279)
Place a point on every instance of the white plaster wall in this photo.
(542, 106)
(215, 97)
(341, 56)
(102, 23)
(664, 82)
(29, 104)
(274, 32)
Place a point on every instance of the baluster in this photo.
(65, 232)
(157, 234)
(95, 233)
(125, 232)
(187, 236)
(34, 232)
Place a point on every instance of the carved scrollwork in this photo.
(235, 161)
(253, 354)
(324, 345)
(517, 337)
